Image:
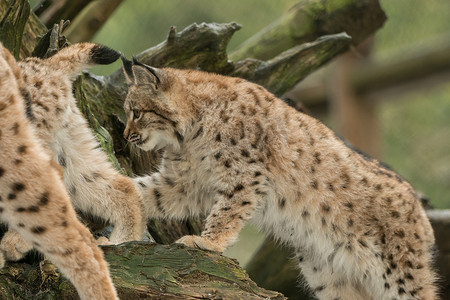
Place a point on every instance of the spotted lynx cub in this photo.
(95, 187)
(33, 200)
(235, 151)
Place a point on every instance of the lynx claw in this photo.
(195, 241)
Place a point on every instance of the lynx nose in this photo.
(126, 133)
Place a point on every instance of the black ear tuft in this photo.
(150, 69)
(127, 67)
(103, 55)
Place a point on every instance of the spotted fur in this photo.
(95, 187)
(235, 152)
(33, 200)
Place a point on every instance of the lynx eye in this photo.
(137, 114)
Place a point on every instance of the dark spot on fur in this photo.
(38, 84)
(363, 243)
(330, 187)
(199, 131)
(38, 229)
(387, 286)
(44, 199)
(395, 214)
(314, 184)
(141, 183)
(157, 194)
(22, 149)
(401, 291)
(12, 196)
(62, 160)
(282, 202)
(305, 213)
(15, 128)
(400, 234)
(33, 208)
(2, 171)
(217, 155)
(218, 137)
(233, 141)
(317, 158)
(246, 203)
(238, 188)
(350, 222)
(325, 208)
(227, 163)
(18, 186)
(245, 153)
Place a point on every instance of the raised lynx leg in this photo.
(95, 186)
(34, 201)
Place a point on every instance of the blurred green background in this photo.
(414, 124)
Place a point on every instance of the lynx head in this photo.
(151, 107)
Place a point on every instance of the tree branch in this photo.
(310, 19)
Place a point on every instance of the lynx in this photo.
(33, 200)
(94, 186)
(234, 151)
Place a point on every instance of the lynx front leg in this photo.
(228, 215)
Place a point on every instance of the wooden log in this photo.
(310, 19)
(141, 270)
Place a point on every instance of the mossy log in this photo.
(310, 19)
(142, 270)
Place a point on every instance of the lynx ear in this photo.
(144, 74)
(127, 69)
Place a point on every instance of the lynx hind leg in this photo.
(14, 246)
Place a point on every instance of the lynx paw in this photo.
(195, 241)
(13, 246)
